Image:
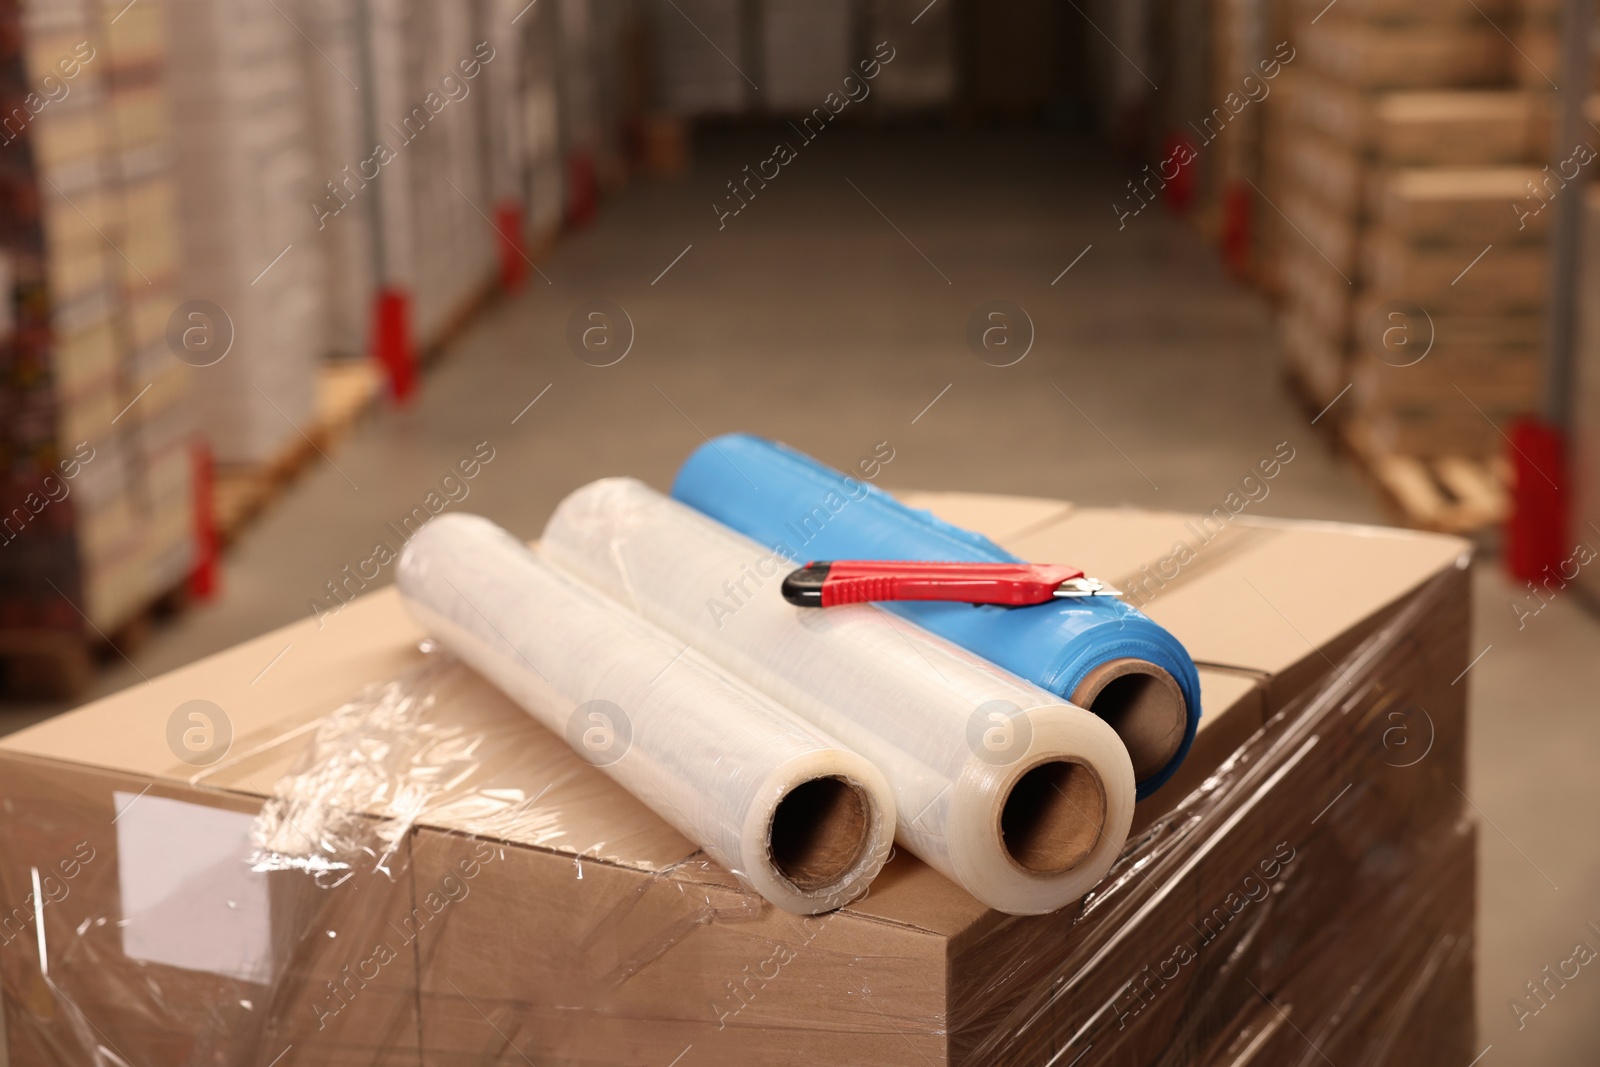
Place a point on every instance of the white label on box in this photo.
(189, 897)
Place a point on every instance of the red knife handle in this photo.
(825, 584)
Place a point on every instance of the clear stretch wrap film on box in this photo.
(1018, 797)
(800, 818)
(1080, 649)
(457, 900)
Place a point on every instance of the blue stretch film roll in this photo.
(806, 511)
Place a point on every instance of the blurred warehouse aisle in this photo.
(833, 311)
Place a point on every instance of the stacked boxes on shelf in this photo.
(1402, 161)
(593, 76)
(415, 132)
(1269, 227)
(97, 485)
(60, 350)
(245, 180)
(577, 87)
(699, 56)
(330, 59)
(806, 52)
(387, 133)
(1246, 60)
(470, 121)
(502, 125)
(1535, 31)
(160, 290)
(437, 128)
(159, 420)
(582, 117)
(1451, 247)
(922, 75)
(541, 177)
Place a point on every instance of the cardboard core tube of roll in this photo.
(819, 832)
(1053, 816)
(1143, 704)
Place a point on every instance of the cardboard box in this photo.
(1507, 280)
(1418, 398)
(533, 910)
(1314, 291)
(1422, 127)
(1464, 208)
(1456, 129)
(1397, 13)
(87, 238)
(1329, 173)
(1332, 233)
(1314, 356)
(1408, 57)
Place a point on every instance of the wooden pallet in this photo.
(44, 664)
(240, 494)
(344, 393)
(1450, 494)
(61, 664)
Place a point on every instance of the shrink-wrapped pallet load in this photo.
(247, 230)
(97, 497)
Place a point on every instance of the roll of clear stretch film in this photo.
(1018, 797)
(800, 819)
(1096, 652)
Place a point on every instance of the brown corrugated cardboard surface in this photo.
(153, 1012)
(595, 934)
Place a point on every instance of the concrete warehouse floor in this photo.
(831, 312)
